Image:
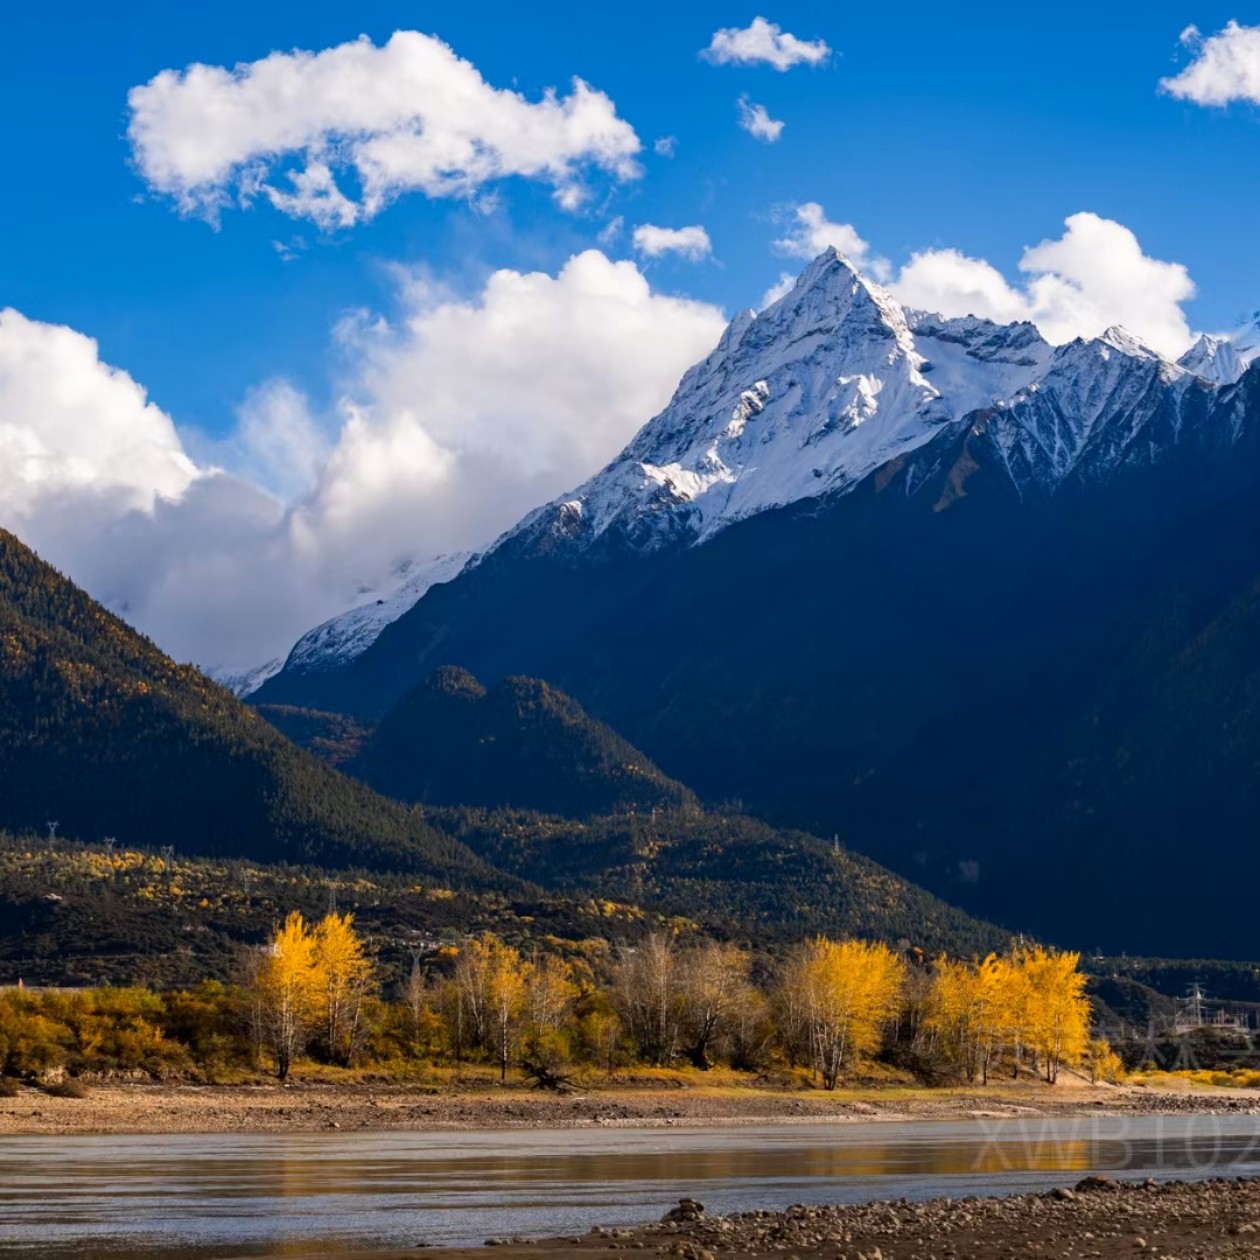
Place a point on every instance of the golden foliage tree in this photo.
(288, 992)
(552, 992)
(1028, 1002)
(494, 986)
(343, 978)
(307, 981)
(1058, 1010)
(844, 993)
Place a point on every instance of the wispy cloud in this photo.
(1226, 67)
(757, 122)
(811, 232)
(457, 416)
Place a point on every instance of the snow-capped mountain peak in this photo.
(1223, 359)
(829, 384)
(805, 399)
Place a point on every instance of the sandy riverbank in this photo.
(310, 1107)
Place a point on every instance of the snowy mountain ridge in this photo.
(823, 388)
(836, 379)
(1223, 360)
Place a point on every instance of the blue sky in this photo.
(922, 130)
(229, 425)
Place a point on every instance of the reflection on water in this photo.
(316, 1194)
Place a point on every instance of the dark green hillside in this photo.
(332, 737)
(101, 732)
(737, 876)
(522, 743)
(104, 734)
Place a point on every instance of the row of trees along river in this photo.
(826, 1009)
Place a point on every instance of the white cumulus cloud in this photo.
(811, 232)
(455, 418)
(1226, 67)
(689, 242)
(334, 136)
(71, 425)
(1093, 277)
(754, 119)
(763, 43)
(950, 283)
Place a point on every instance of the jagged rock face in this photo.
(804, 400)
(836, 381)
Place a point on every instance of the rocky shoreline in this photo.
(1096, 1219)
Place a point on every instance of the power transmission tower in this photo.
(52, 829)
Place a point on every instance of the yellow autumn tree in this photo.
(343, 979)
(955, 1014)
(552, 992)
(1058, 1011)
(287, 992)
(494, 984)
(1027, 1002)
(846, 992)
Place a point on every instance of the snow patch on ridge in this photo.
(1223, 360)
(241, 681)
(344, 637)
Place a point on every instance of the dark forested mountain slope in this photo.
(522, 743)
(103, 734)
(737, 876)
(1034, 693)
(526, 779)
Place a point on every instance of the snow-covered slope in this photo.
(835, 380)
(243, 681)
(344, 637)
(1222, 360)
(826, 385)
(1099, 404)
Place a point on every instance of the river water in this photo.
(298, 1195)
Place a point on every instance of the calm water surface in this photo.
(293, 1195)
